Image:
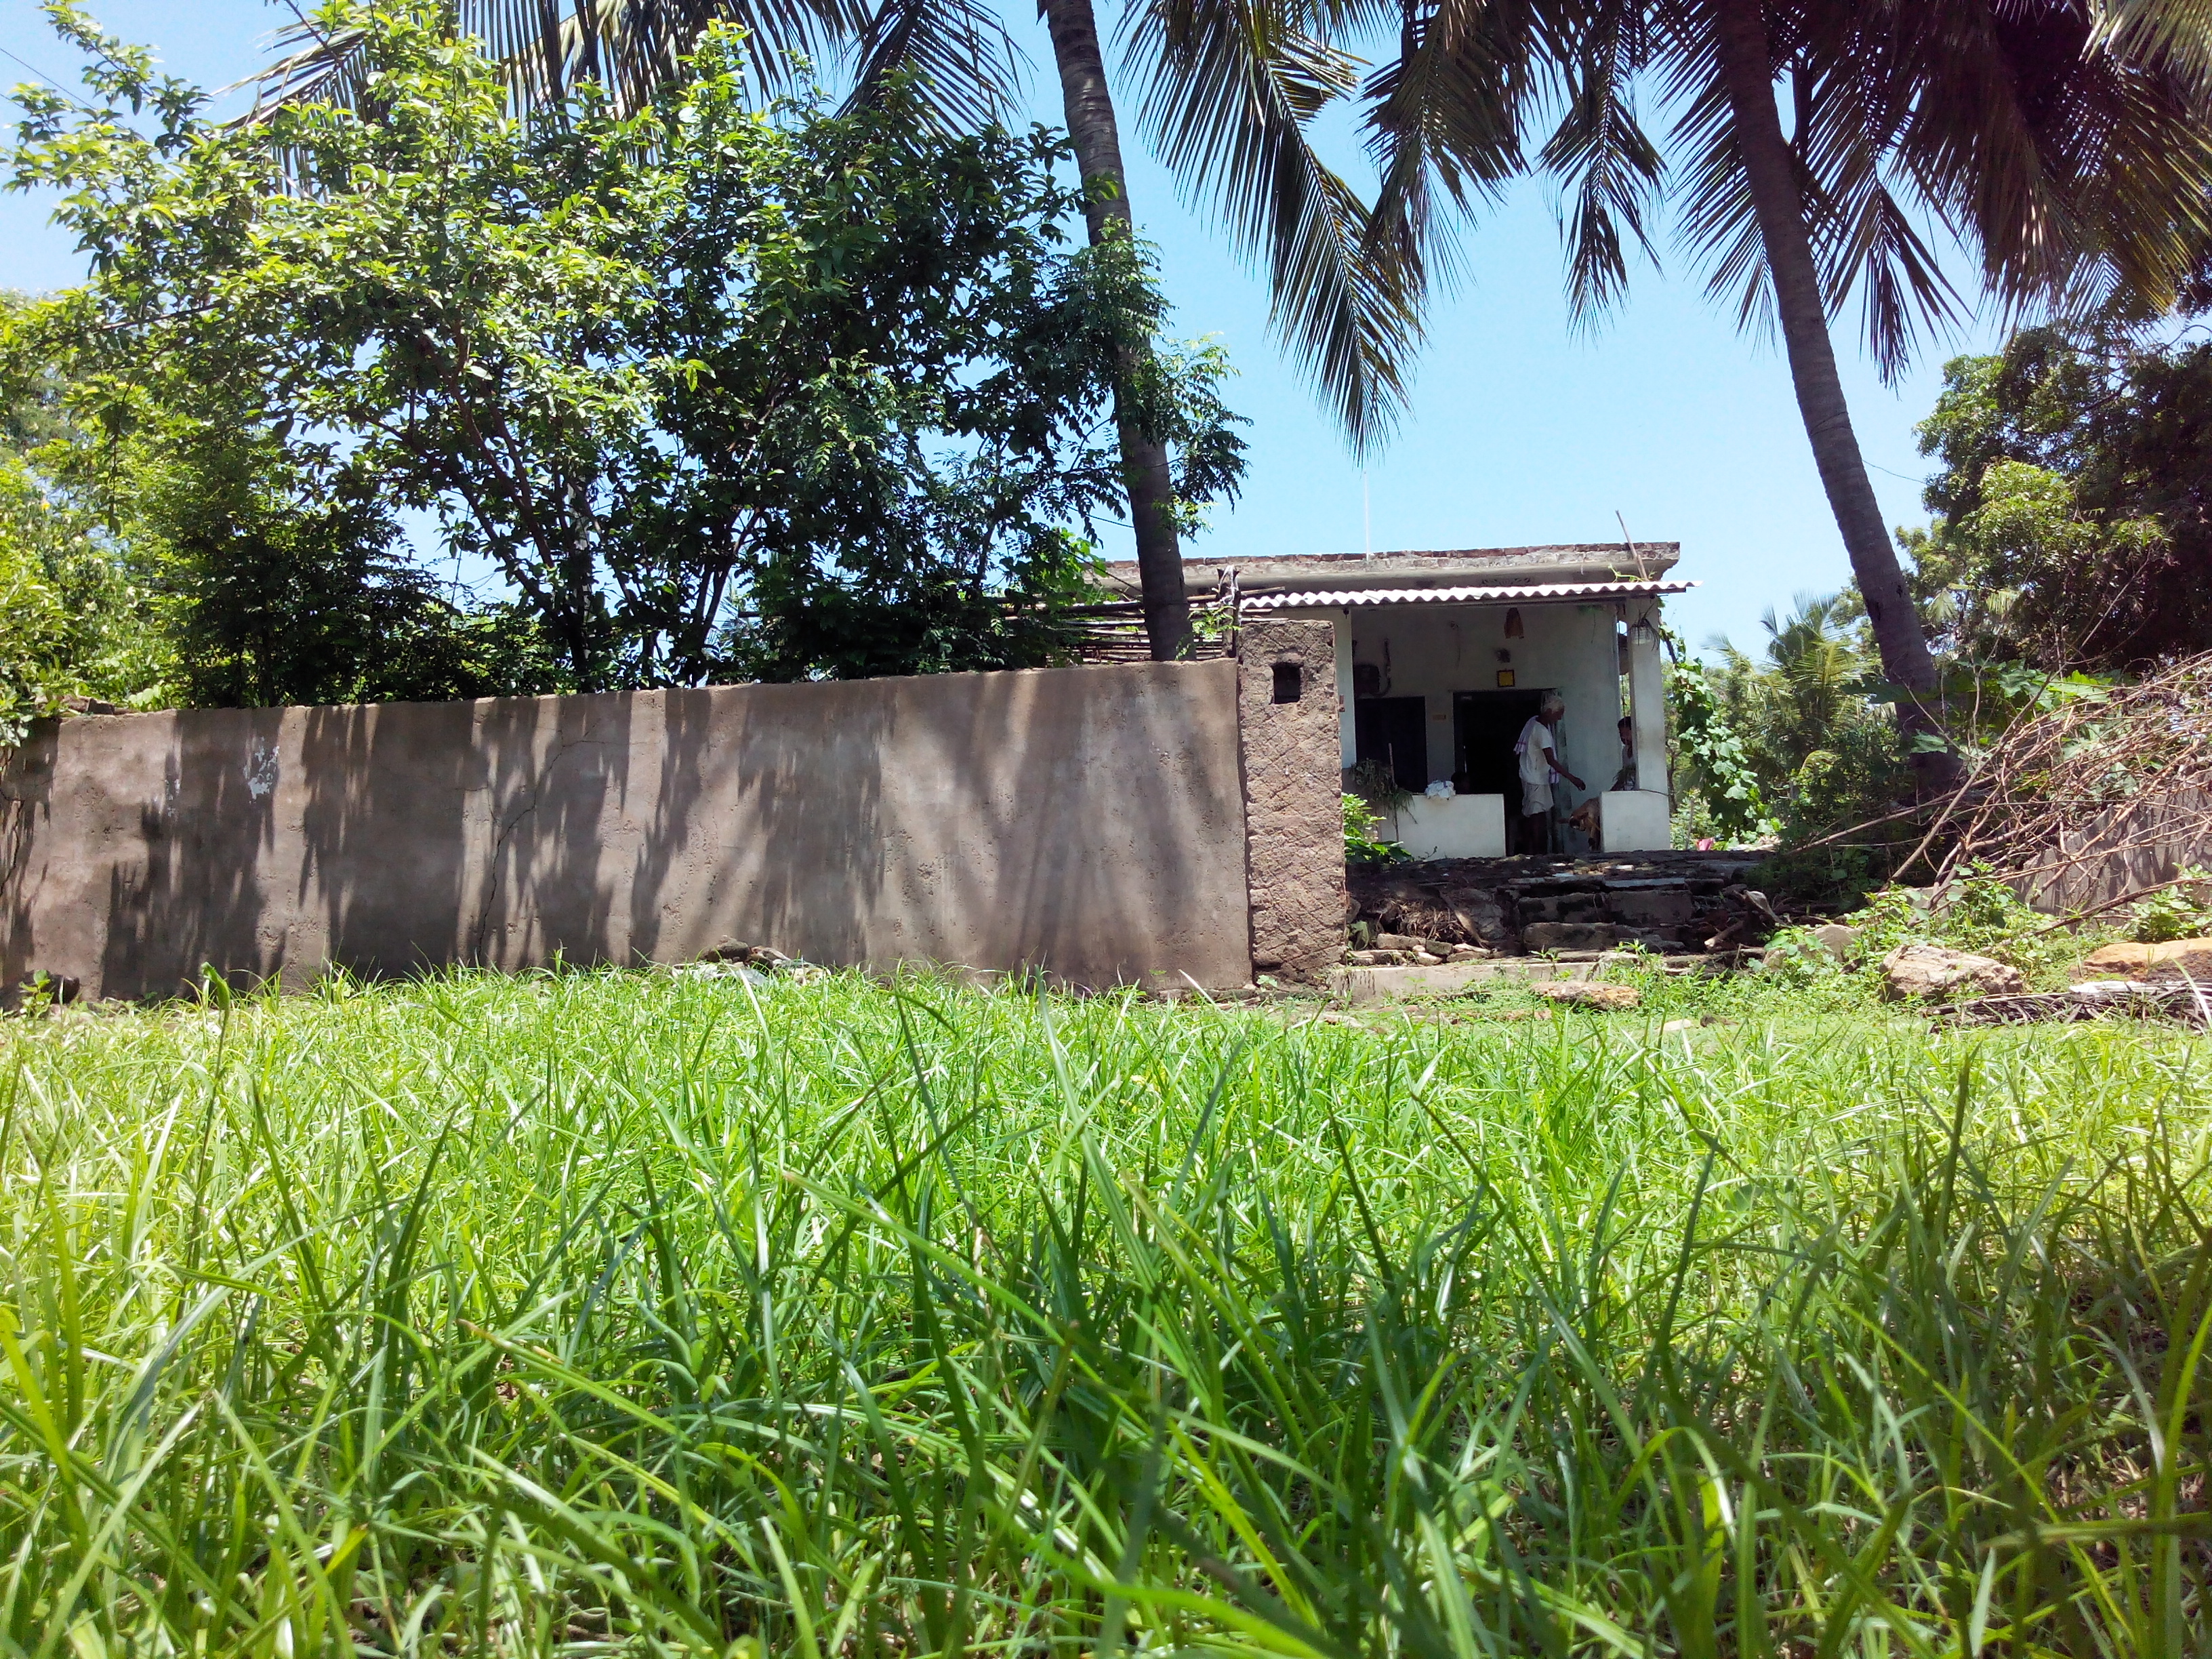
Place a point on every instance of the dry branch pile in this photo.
(2093, 802)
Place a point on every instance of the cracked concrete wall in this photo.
(1293, 796)
(1085, 821)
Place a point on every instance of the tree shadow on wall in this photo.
(199, 897)
(26, 778)
(1085, 822)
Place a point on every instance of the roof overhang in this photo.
(1530, 593)
(1466, 566)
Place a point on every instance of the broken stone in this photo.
(2176, 958)
(1466, 953)
(1540, 936)
(1481, 915)
(1837, 940)
(1587, 994)
(1652, 910)
(1932, 971)
(1750, 899)
(751, 956)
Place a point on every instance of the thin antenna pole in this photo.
(1366, 519)
(1634, 552)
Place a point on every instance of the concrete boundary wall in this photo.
(2110, 854)
(1088, 822)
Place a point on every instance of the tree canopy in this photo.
(2073, 505)
(717, 391)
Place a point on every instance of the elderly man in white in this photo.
(1537, 746)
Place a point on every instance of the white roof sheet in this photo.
(1296, 599)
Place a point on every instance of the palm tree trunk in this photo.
(1748, 73)
(1091, 129)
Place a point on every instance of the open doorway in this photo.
(1394, 731)
(1485, 727)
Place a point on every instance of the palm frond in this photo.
(1614, 168)
(1444, 125)
(967, 64)
(630, 47)
(1717, 221)
(2073, 163)
(2171, 36)
(1231, 87)
(1864, 236)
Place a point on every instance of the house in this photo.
(1443, 656)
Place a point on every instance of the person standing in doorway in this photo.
(1537, 746)
(1626, 778)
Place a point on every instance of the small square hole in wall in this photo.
(1290, 681)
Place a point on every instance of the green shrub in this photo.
(1360, 845)
(2181, 911)
(1980, 913)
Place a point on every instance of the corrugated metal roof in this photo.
(1332, 598)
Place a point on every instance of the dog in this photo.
(1584, 818)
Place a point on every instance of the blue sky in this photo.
(1521, 431)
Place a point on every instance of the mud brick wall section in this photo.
(1287, 725)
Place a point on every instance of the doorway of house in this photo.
(1394, 731)
(1485, 727)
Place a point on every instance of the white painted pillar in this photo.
(1647, 700)
(1347, 725)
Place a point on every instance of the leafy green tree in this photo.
(1817, 733)
(1230, 93)
(76, 617)
(285, 583)
(2066, 144)
(34, 666)
(677, 370)
(2074, 502)
(1718, 790)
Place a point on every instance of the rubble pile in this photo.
(733, 958)
(2094, 784)
(2091, 1000)
(1669, 902)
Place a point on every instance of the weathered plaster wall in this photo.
(1087, 822)
(1293, 811)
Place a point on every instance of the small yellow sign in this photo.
(1504, 676)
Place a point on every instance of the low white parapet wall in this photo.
(1453, 827)
(1636, 820)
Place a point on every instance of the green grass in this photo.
(598, 1313)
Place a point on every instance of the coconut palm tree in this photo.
(1233, 86)
(2064, 145)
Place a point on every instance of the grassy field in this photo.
(606, 1312)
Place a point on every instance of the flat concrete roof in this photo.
(1464, 567)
